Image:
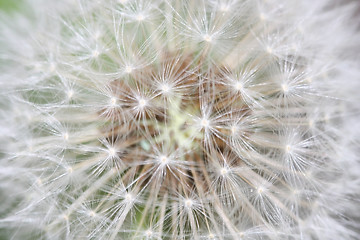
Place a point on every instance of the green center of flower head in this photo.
(178, 131)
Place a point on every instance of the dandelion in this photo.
(167, 119)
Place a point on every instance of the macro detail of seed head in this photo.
(168, 119)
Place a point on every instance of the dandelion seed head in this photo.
(149, 233)
(285, 87)
(207, 38)
(112, 152)
(142, 103)
(128, 69)
(91, 213)
(39, 181)
(113, 101)
(238, 86)
(70, 93)
(163, 160)
(311, 123)
(95, 53)
(129, 197)
(66, 136)
(165, 88)
(188, 203)
(224, 171)
(140, 17)
(204, 123)
(288, 148)
(179, 120)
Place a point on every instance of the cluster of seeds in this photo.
(166, 119)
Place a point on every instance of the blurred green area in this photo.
(10, 5)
